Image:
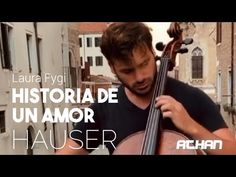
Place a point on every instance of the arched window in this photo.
(197, 63)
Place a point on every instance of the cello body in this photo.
(132, 145)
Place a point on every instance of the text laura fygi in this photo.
(46, 77)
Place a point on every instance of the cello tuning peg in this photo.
(160, 46)
(187, 41)
(157, 58)
(182, 50)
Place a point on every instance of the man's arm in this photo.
(179, 116)
(198, 132)
(72, 148)
(229, 141)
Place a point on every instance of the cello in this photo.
(154, 139)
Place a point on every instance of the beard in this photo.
(140, 88)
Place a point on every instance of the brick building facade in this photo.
(226, 77)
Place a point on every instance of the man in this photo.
(128, 49)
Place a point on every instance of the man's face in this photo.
(136, 73)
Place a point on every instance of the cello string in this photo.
(156, 112)
(153, 120)
(152, 110)
(149, 121)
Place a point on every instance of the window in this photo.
(29, 50)
(99, 61)
(97, 41)
(54, 129)
(73, 76)
(81, 61)
(35, 65)
(80, 42)
(89, 42)
(229, 86)
(197, 64)
(219, 87)
(90, 61)
(30, 131)
(218, 32)
(176, 74)
(2, 122)
(5, 49)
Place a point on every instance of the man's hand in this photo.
(174, 110)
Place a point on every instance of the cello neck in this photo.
(151, 135)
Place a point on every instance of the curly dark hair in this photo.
(120, 38)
